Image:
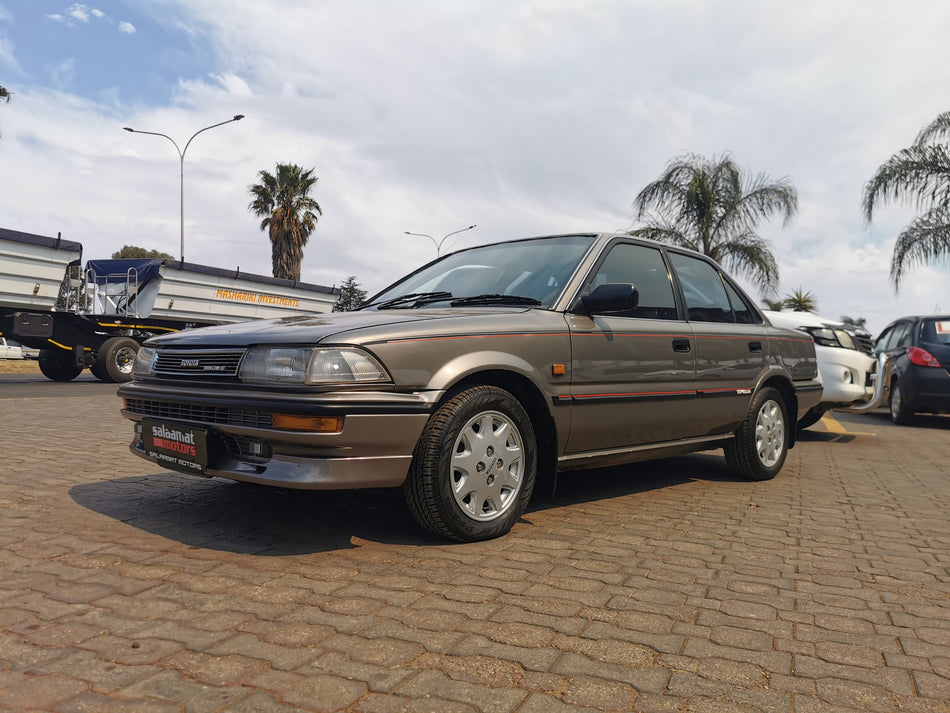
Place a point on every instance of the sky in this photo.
(522, 117)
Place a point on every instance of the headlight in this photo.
(300, 365)
(831, 337)
(144, 362)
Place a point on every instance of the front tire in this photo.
(761, 443)
(811, 417)
(58, 365)
(901, 413)
(474, 467)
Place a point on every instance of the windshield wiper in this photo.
(413, 298)
(489, 299)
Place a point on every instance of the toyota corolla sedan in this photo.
(480, 375)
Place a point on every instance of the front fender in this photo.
(464, 365)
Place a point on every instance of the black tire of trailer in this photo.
(114, 359)
(58, 365)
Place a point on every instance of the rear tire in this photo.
(474, 467)
(115, 359)
(899, 408)
(761, 443)
(58, 365)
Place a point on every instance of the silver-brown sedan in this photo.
(487, 370)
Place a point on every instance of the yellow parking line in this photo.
(835, 427)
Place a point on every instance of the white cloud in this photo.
(63, 73)
(7, 57)
(78, 12)
(525, 118)
(127, 27)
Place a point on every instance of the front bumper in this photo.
(373, 449)
(846, 376)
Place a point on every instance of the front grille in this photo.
(198, 362)
(202, 414)
(863, 342)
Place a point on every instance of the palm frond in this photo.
(706, 205)
(939, 128)
(750, 256)
(664, 234)
(926, 240)
(920, 174)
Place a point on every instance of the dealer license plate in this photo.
(175, 445)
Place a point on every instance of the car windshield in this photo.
(936, 331)
(525, 272)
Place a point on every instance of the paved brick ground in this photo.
(662, 587)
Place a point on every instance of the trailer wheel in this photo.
(115, 359)
(58, 365)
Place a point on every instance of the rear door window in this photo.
(706, 298)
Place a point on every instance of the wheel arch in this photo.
(785, 388)
(534, 402)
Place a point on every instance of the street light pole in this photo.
(181, 172)
(438, 245)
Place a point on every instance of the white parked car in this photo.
(9, 350)
(848, 374)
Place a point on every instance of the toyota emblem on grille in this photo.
(190, 363)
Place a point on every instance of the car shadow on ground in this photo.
(218, 514)
(922, 420)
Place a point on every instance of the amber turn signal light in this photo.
(315, 424)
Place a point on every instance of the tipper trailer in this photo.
(97, 315)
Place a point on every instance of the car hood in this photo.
(315, 328)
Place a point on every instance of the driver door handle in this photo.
(681, 345)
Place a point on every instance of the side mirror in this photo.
(612, 297)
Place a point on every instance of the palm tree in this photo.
(289, 213)
(921, 175)
(859, 323)
(800, 301)
(708, 205)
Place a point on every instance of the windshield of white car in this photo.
(524, 272)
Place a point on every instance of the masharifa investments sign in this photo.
(256, 298)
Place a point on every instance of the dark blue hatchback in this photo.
(919, 348)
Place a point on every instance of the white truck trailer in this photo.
(97, 315)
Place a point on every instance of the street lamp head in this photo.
(238, 117)
(126, 128)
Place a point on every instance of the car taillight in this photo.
(921, 357)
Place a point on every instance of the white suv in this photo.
(848, 374)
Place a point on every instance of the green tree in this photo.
(288, 213)
(774, 305)
(708, 205)
(920, 175)
(800, 301)
(351, 296)
(133, 251)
